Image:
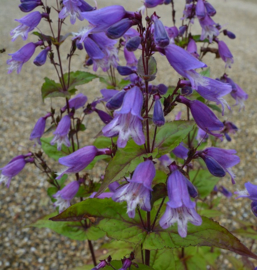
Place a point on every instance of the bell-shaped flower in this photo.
(138, 190)
(200, 9)
(79, 160)
(41, 58)
(209, 29)
(189, 12)
(27, 24)
(161, 37)
(101, 19)
(133, 43)
(105, 117)
(61, 133)
(204, 117)
(126, 264)
(22, 56)
(116, 101)
(172, 31)
(180, 151)
(127, 120)
(225, 53)
(158, 115)
(185, 64)
(118, 29)
(39, 129)
(84, 7)
(180, 209)
(215, 91)
(211, 11)
(77, 102)
(71, 8)
(65, 195)
(130, 57)
(27, 6)
(192, 48)
(219, 161)
(165, 160)
(14, 167)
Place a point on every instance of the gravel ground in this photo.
(26, 200)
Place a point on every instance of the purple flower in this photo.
(108, 93)
(126, 263)
(172, 31)
(152, 3)
(209, 29)
(184, 63)
(180, 208)
(14, 167)
(77, 102)
(39, 129)
(250, 192)
(61, 133)
(182, 29)
(22, 56)
(165, 160)
(41, 58)
(101, 19)
(161, 37)
(192, 48)
(133, 43)
(158, 115)
(225, 53)
(229, 128)
(223, 191)
(130, 58)
(102, 264)
(27, 24)
(118, 29)
(200, 9)
(79, 160)
(85, 6)
(71, 8)
(116, 101)
(209, 8)
(201, 136)
(215, 91)
(189, 12)
(105, 117)
(138, 190)
(65, 195)
(229, 34)
(219, 161)
(27, 6)
(180, 151)
(127, 120)
(204, 117)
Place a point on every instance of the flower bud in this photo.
(41, 58)
(200, 9)
(161, 37)
(158, 116)
(118, 29)
(105, 117)
(210, 9)
(115, 102)
(182, 29)
(79, 45)
(133, 43)
(162, 89)
(27, 6)
(229, 34)
(125, 71)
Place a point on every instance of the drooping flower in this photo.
(39, 129)
(14, 167)
(192, 48)
(158, 115)
(27, 6)
(161, 37)
(130, 57)
(79, 160)
(209, 29)
(209, 8)
(116, 101)
(219, 161)
(118, 29)
(201, 136)
(180, 209)
(61, 133)
(27, 24)
(180, 151)
(133, 43)
(42, 56)
(127, 120)
(229, 128)
(200, 10)
(204, 117)
(77, 102)
(165, 160)
(126, 264)
(101, 19)
(185, 64)
(65, 195)
(223, 191)
(138, 190)
(225, 53)
(22, 56)
(229, 34)
(101, 265)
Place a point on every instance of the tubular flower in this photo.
(41, 58)
(27, 6)
(209, 29)
(127, 120)
(225, 53)
(138, 190)
(77, 102)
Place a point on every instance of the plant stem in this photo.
(92, 252)
(158, 212)
(147, 252)
(154, 137)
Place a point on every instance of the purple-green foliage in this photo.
(164, 172)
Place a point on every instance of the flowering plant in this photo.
(159, 188)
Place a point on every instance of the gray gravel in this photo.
(26, 200)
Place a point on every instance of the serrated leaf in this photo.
(171, 135)
(51, 150)
(112, 218)
(125, 161)
(210, 233)
(51, 89)
(203, 181)
(78, 78)
(72, 230)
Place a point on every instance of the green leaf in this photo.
(125, 161)
(51, 150)
(240, 264)
(160, 177)
(112, 217)
(86, 191)
(51, 89)
(97, 158)
(206, 72)
(123, 83)
(215, 108)
(210, 213)
(247, 231)
(203, 181)
(43, 37)
(210, 233)
(163, 259)
(72, 230)
(117, 265)
(171, 135)
(78, 78)
(102, 142)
